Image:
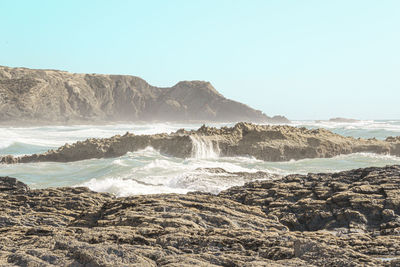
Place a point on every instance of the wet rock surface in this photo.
(349, 218)
(358, 209)
(264, 142)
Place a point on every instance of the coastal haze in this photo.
(208, 133)
(86, 146)
(57, 97)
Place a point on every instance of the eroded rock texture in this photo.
(51, 96)
(265, 142)
(344, 219)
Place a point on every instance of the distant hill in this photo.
(52, 96)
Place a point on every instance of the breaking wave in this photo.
(203, 147)
(149, 172)
(363, 129)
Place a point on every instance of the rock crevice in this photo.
(343, 219)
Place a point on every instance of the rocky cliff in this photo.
(265, 142)
(51, 96)
(349, 218)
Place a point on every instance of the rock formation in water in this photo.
(349, 218)
(264, 142)
(343, 120)
(51, 96)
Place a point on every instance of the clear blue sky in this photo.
(303, 59)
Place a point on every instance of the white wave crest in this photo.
(203, 148)
(368, 155)
(5, 144)
(366, 125)
(127, 187)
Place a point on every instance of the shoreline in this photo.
(23, 124)
(294, 221)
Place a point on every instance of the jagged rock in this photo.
(393, 139)
(12, 184)
(359, 208)
(358, 200)
(75, 227)
(265, 142)
(342, 219)
(29, 96)
(344, 120)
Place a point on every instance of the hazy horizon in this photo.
(306, 61)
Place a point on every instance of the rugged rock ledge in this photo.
(344, 219)
(343, 120)
(52, 96)
(265, 142)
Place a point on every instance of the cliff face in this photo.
(53, 96)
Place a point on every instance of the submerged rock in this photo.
(342, 219)
(343, 120)
(264, 142)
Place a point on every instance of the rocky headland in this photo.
(264, 142)
(31, 96)
(349, 218)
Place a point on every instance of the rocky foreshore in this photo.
(264, 142)
(350, 218)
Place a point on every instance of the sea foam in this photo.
(203, 147)
(147, 171)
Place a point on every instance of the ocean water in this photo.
(149, 172)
